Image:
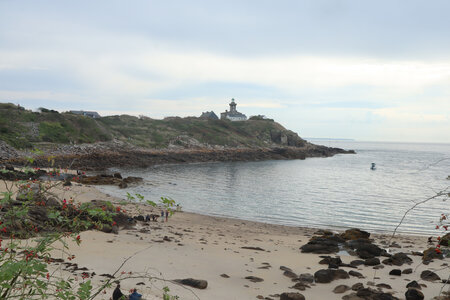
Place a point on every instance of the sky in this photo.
(364, 70)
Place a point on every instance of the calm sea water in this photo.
(339, 191)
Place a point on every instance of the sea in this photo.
(336, 192)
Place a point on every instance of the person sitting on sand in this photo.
(135, 295)
(117, 294)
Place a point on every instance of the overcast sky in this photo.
(367, 70)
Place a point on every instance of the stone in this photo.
(407, 271)
(355, 274)
(395, 272)
(429, 276)
(224, 275)
(445, 240)
(357, 286)
(290, 274)
(341, 289)
(195, 283)
(356, 262)
(431, 254)
(328, 275)
(320, 246)
(301, 286)
(327, 260)
(254, 279)
(354, 234)
(283, 268)
(413, 285)
(292, 296)
(414, 294)
(384, 286)
(398, 259)
(372, 261)
(306, 277)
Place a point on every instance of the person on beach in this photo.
(117, 294)
(135, 295)
(162, 215)
(167, 215)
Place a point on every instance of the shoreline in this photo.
(93, 159)
(232, 255)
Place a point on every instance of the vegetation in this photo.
(23, 128)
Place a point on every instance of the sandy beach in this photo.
(213, 249)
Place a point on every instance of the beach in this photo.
(213, 249)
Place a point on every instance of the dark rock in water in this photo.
(132, 179)
(292, 296)
(321, 246)
(354, 234)
(431, 254)
(290, 274)
(398, 259)
(67, 182)
(306, 277)
(372, 261)
(123, 185)
(414, 294)
(117, 175)
(429, 276)
(328, 275)
(355, 274)
(413, 285)
(195, 283)
(395, 272)
(341, 289)
(254, 279)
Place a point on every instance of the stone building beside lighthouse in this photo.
(233, 114)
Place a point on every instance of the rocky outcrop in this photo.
(104, 157)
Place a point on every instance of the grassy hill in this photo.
(24, 129)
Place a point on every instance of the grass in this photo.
(21, 128)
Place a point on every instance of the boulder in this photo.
(398, 259)
(357, 286)
(290, 274)
(372, 261)
(328, 275)
(301, 286)
(413, 285)
(195, 283)
(414, 294)
(395, 272)
(431, 254)
(429, 276)
(445, 240)
(320, 246)
(407, 271)
(355, 274)
(306, 277)
(341, 289)
(292, 296)
(354, 234)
